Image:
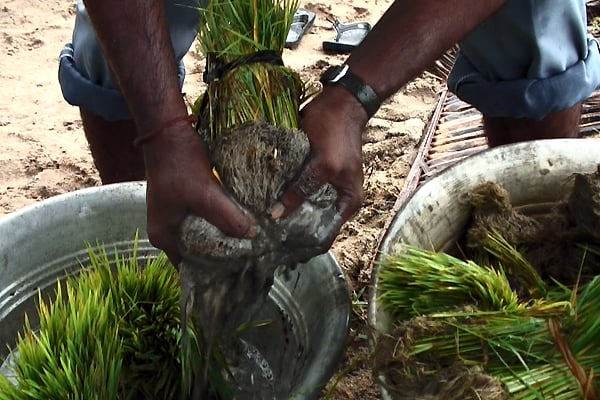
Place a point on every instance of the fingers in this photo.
(166, 242)
(163, 231)
(167, 210)
(348, 187)
(297, 191)
(185, 185)
(349, 202)
(225, 214)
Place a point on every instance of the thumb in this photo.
(306, 184)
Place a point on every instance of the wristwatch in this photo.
(341, 75)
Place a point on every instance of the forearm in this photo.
(136, 42)
(411, 35)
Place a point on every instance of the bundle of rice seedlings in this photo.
(249, 113)
(249, 117)
(243, 41)
(462, 332)
(112, 332)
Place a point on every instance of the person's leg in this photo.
(526, 87)
(86, 81)
(559, 124)
(111, 145)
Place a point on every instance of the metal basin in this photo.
(436, 214)
(47, 241)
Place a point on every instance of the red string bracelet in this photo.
(149, 136)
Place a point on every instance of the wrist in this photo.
(341, 103)
(173, 146)
(161, 129)
(345, 78)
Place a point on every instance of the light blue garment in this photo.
(85, 78)
(531, 58)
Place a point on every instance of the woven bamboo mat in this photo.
(455, 131)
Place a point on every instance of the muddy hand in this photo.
(333, 125)
(308, 231)
(182, 185)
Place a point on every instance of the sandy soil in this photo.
(44, 151)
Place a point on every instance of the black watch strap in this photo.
(341, 75)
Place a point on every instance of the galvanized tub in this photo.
(436, 213)
(47, 241)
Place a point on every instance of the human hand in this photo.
(333, 122)
(180, 182)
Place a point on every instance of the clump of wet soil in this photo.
(255, 159)
(409, 376)
(559, 239)
(226, 280)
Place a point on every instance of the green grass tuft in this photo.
(113, 332)
(449, 312)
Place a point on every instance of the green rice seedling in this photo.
(249, 114)
(243, 41)
(416, 282)
(249, 117)
(463, 333)
(112, 332)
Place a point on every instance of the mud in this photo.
(561, 239)
(226, 280)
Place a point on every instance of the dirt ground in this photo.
(44, 152)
